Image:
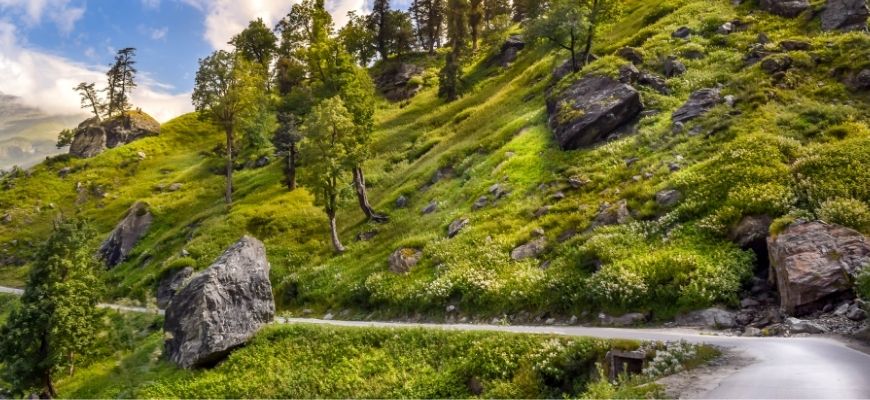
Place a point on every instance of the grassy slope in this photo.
(788, 147)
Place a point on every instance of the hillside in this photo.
(794, 145)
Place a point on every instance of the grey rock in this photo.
(590, 109)
(699, 103)
(221, 308)
(498, 191)
(126, 234)
(630, 319)
(542, 212)
(775, 64)
(402, 202)
(802, 326)
(751, 229)
(366, 236)
(814, 260)
(631, 54)
(730, 100)
(752, 332)
(708, 318)
(855, 313)
(628, 74)
(749, 303)
(794, 45)
(673, 67)
(395, 82)
(93, 136)
(655, 82)
(88, 142)
(402, 260)
(845, 15)
(785, 8)
(171, 284)
(481, 202)
(529, 250)
(668, 198)
(863, 334)
(682, 33)
(430, 208)
(612, 214)
(261, 162)
(726, 28)
(510, 50)
(842, 309)
(456, 227)
(7, 219)
(175, 187)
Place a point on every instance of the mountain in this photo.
(27, 135)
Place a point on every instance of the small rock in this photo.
(366, 236)
(577, 183)
(542, 211)
(697, 105)
(573, 320)
(681, 33)
(673, 67)
(402, 260)
(748, 303)
(842, 309)
(612, 214)
(628, 74)
(794, 45)
(762, 38)
(430, 208)
(456, 227)
(855, 313)
(529, 250)
(450, 309)
(752, 332)
(538, 232)
(654, 81)
(558, 196)
(668, 198)
(402, 202)
(772, 65)
(175, 187)
(709, 318)
(550, 321)
(328, 317)
(141, 155)
(498, 191)
(481, 202)
(7, 218)
(725, 29)
(261, 162)
(631, 54)
(730, 100)
(802, 326)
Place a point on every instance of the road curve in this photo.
(782, 368)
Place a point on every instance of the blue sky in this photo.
(49, 46)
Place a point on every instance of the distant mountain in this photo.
(27, 134)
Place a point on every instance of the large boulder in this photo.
(785, 8)
(812, 261)
(845, 15)
(698, 104)
(94, 136)
(221, 308)
(510, 50)
(170, 284)
(126, 234)
(396, 81)
(589, 110)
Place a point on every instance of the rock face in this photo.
(845, 15)
(92, 137)
(402, 260)
(785, 8)
(170, 284)
(591, 109)
(221, 308)
(126, 234)
(396, 81)
(698, 104)
(814, 260)
(708, 318)
(510, 49)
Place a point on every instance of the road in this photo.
(780, 368)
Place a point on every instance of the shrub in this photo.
(851, 213)
(862, 284)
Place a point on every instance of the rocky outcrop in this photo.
(812, 261)
(396, 81)
(126, 234)
(698, 104)
(589, 110)
(221, 308)
(785, 8)
(402, 260)
(510, 50)
(708, 318)
(170, 284)
(845, 15)
(93, 136)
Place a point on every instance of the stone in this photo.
(794, 45)
(785, 8)
(141, 155)
(726, 28)
(630, 319)
(94, 136)
(531, 249)
(708, 318)
(681, 33)
(261, 162)
(612, 214)
(697, 105)
(802, 326)
(668, 198)
(221, 308)
(456, 227)
(673, 67)
(749, 303)
(654, 81)
(845, 15)
(430, 208)
(366, 236)
(751, 331)
(171, 284)
(631, 54)
(481, 202)
(498, 191)
(402, 260)
(64, 172)
(590, 109)
(126, 234)
(775, 64)
(402, 202)
(751, 229)
(510, 49)
(842, 309)
(175, 187)
(542, 212)
(88, 142)
(856, 313)
(812, 261)
(730, 100)
(628, 74)
(397, 81)
(860, 80)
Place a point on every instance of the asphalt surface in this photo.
(780, 368)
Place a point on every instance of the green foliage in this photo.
(847, 212)
(862, 284)
(53, 328)
(256, 44)
(65, 138)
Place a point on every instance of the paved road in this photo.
(781, 368)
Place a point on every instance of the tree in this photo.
(65, 138)
(326, 151)
(476, 14)
(57, 317)
(564, 26)
(222, 93)
(379, 24)
(599, 12)
(530, 9)
(401, 33)
(358, 39)
(256, 44)
(89, 98)
(457, 22)
(429, 20)
(286, 141)
(122, 81)
(493, 9)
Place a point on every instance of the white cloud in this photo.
(32, 12)
(45, 81)
(159, 33)
(152, 4)
(225, 18)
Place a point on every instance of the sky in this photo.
(48, 46)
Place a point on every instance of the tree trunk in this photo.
(590, 33)
(574, 65)
(291, 167)
(333, 230)
(359, 183)
(48, 385)
(229, 193)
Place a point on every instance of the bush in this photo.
(862, 284)
(851, 213)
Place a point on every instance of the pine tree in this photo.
(55, 323)
(475, 21)
(90, 100)
(379, 21)
(457, 32)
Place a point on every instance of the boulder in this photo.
(510, 49)
(681, 33)
(481, 202)
(589, 110)
(628, 74)
(860, 80)
(673, 67)
(811, 261)
(708, 318)
(126, 234)
(88, 142)
(775, 64)
(802, 326)
(93, 136)
(430, 208)
(396, 81)
(654, 81)
(612, 214)
(529, 250)
(456, 227)
(750, 230)
(845, 15)
(170, 284)
(402, 260)
(631, 54)
(698, 104)
(221, 308)
(785, 8)
(668, 198)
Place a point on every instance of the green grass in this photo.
(797, 146)
(7, 303)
